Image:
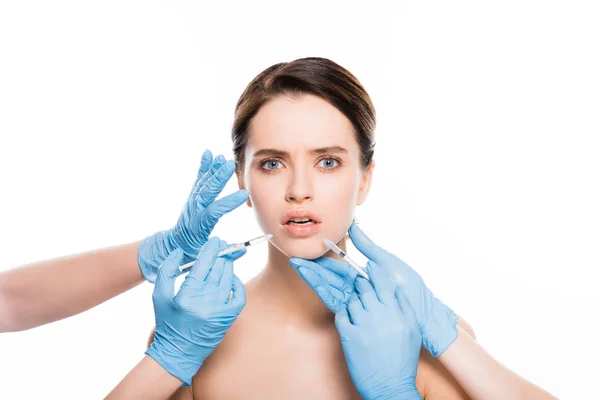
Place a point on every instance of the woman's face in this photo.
(302, 169)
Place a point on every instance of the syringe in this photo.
(234, 247)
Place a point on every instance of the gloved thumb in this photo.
(365, 245)
(320, 286)
(238, 298)
(405, 306)
(165, 281)
(225, 205)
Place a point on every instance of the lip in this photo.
(301, 231)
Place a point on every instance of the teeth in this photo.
(301, 221)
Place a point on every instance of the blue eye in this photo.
(271, 165)
(328, 163)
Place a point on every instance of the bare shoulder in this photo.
(436, 381)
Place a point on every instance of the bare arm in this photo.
(435, 381)
(47, 291)
(148, 381)
(482, 377)
(183, 393)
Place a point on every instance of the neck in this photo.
(295, 299)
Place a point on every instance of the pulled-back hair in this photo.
(317, 76)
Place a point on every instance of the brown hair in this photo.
(313, 75)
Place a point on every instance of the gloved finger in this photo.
(318, 285)
(215, 184)
(405, 307)
(382, 282)
(216, 164)
(336, 274)
(226, 281)
(205, 260)
(239, 292)
(222, 244)
(356, 311)
(222, 206)
(214, 275)
(342, 320)
(329, 295)
(341, 268)
(205, 163)
(365, 245)
(167, 272)
(366, 293)
(216, 272)
(236, 255)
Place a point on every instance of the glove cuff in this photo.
(440, 330)
(401, 394)
(152, 252)
(175, 365)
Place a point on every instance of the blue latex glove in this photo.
(197, 219)
(331, 280)
(380, 338)
(192, 323)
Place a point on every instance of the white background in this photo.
(487, 159)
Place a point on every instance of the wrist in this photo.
(393, 389)
(440, 330)
(401, 394)
(177, 237)
(174, 361)
(153, 251)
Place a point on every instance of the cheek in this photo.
(334, 201)
(339, 197)
(264, 192)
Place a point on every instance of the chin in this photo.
(308, 248)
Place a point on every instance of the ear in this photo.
(242, 185)
(365, 183)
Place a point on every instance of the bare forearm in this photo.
(148, 381)
(48, 291)
(482, 377)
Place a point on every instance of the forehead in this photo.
(300, 122)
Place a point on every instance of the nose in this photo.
(300, 188)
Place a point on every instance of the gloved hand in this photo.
(192, 323)
(331, 281)
(380, 338)
(197, 219)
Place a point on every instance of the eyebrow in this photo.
(283, 154)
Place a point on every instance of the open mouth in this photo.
(301, 221)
